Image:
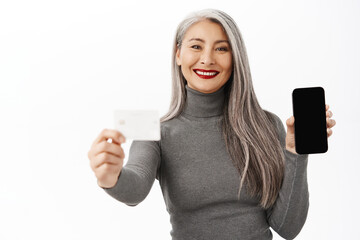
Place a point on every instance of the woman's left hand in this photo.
(290, 135)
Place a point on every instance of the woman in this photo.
(225, 166)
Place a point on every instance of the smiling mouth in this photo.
(206, 74)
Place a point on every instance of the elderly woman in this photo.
(226, 167)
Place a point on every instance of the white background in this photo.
(66, 65)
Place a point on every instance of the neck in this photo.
(203, 105)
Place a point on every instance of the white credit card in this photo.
(138, 124)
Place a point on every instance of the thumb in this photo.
(290, 124)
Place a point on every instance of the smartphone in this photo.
(310, 120)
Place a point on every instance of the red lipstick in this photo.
(206, 74)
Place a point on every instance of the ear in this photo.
(177, 55)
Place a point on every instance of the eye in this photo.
(197, 47)
(222, 49)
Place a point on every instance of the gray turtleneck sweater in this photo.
(200, 183)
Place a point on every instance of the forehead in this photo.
(206, 30)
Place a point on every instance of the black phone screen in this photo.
(310, 120)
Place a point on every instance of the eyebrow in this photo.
(202, 40)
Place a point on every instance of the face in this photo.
(205, 57)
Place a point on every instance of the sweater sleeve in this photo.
(139, 173)
(288, 214)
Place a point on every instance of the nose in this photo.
(207, 58)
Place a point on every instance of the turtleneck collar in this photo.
(203, 105)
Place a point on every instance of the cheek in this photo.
(227, 63)
(188, 59)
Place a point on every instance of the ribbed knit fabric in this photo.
(200, 183)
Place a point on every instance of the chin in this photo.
(204, 88)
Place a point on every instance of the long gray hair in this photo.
(249, 131)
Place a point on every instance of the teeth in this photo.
(206, 73)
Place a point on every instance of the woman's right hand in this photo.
(106, 159)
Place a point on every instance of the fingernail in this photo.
(122, 139)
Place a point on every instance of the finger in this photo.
(329, 132)
(114, 135)
(290, 124)
(327, 107)
(330, 122)
(329, 114)
(106, 171)
(290, 121)
(103, 158)
(112, 148)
